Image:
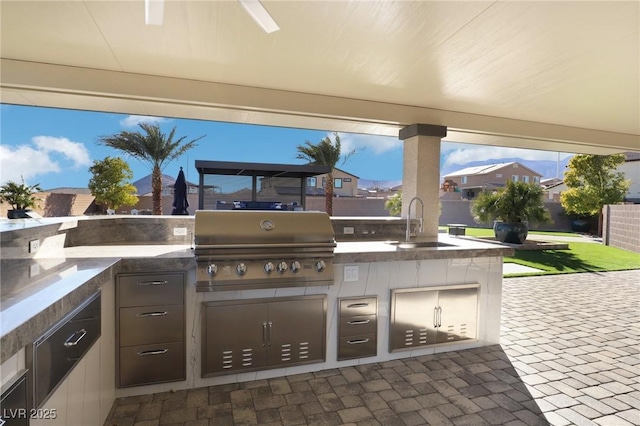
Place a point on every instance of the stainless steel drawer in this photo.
(151, 324)
(357, 346)
(363, 324)
(14, 401)
(150, 289)
(53, 355)
(146, 364)
(358, 306)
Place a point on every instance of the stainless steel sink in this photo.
(417, 244)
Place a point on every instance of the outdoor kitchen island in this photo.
(363, 272)
(374, 273)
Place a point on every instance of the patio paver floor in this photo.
(569, 355)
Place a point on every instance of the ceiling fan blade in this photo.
(153, 12)
(260, 15)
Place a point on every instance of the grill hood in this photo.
(238, 228)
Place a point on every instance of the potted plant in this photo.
(512, 209)
(581, 223)
(20, 197)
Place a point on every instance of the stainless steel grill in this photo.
(239, 250)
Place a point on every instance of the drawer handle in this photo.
(152, 314)
(156, 352)
(358, 322)
(153, 282)
(75, 338)
(357, 341)
(358, 305)
(83, 319)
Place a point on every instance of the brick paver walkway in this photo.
(575, 342)
(570, 354)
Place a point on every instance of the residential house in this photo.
(552, 188)
(345, 184)
(471, 181)
(449, 186)
(631, 170)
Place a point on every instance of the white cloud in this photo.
(377, 144)
(46, 156)
(457, 153)
(134, 120)
(25, 162)
(74, 151)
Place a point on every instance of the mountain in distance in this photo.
(547, 168)
(379, 184)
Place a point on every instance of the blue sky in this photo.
(56, 147)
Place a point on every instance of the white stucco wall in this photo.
(631, 169)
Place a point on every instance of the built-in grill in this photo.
(239, 250)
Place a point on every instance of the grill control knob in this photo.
(241, 269)
(268, 267)
(295, 266)
(212, 269)
(320, 265)
(282, 267)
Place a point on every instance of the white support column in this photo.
(421, 174)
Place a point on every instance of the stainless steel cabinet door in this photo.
(296, 331)
(234, 338)
(457, 319)
(413, 319)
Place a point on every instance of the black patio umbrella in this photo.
(180, 202)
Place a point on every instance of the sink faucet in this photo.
(408, 235)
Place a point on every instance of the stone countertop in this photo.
(36, 301)
(37, 293)
(450, 248)
(345, 252)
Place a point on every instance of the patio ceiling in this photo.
(545, 75)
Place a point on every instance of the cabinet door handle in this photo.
(357, 341)
(269, 334)
(357, 305)
(75, 338)
(156, 352)
(358, 322)
(152, 314)
(153, 282)
(435, 317)
(439, 316)
(264, 334)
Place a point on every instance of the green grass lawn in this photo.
(581, 257)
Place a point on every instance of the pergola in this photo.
(253, 174)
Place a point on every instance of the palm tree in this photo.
(324, 153)
(153, 148)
